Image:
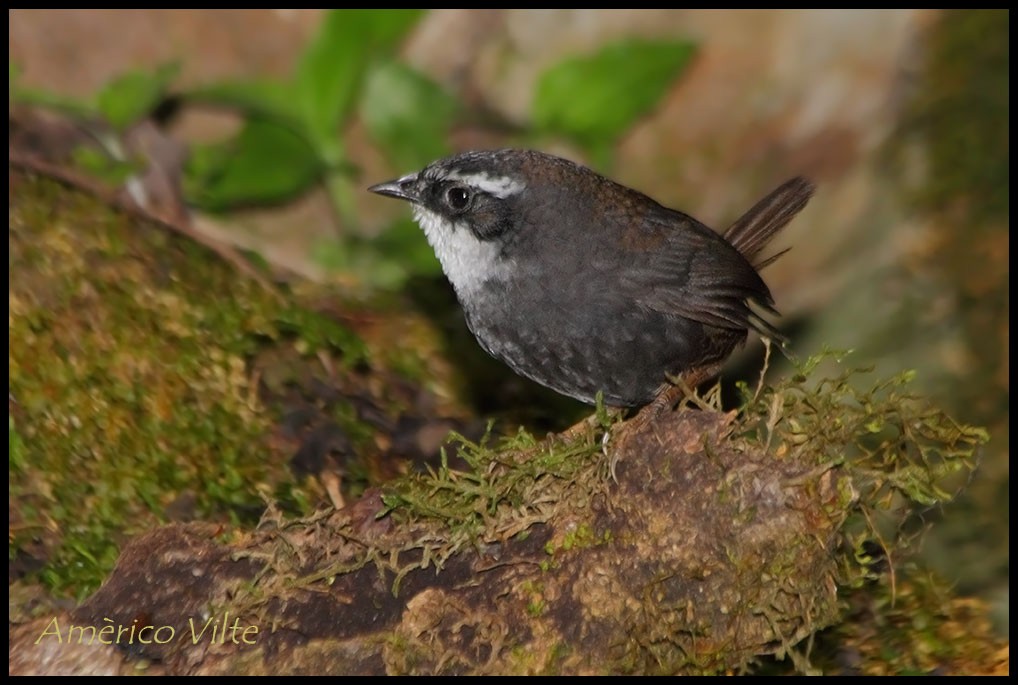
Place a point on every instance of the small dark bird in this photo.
(585, 285)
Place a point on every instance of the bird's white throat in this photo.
(467, 261)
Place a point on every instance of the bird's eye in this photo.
(457, 197)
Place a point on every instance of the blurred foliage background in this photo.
(271, 123)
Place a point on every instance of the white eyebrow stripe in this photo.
(499, 186)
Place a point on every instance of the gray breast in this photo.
(578, 350)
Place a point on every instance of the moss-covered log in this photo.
(694, 541)
(719, 539)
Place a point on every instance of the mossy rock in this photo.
(150, 381)
(696, 541)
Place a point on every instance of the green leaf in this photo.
(407, 114)
(42, 98)
(329, 75)
(132, 96)
(268, 99)
(385, 262)
(595, 98)
(100, 165)
(265, 163)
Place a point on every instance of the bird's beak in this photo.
(402, 188)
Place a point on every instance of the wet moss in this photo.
(909, 623)
(958, 119)
(135, 398)
(130, 398)
(961, 112)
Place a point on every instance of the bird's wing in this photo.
(696, 274)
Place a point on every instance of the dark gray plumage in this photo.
(585, 285)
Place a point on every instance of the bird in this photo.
(587, 286)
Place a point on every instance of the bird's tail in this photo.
(751, 232)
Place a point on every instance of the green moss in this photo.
(961, 118)
(963, 113)
(900, 452)
(955, 325)
(581, 536)
(131, 364)
(15, 447)
(902, 457)
(510, 485)
(536, 608)
(908, 623)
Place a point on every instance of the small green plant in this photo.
(292, 134)
(294, 131)
(106, 117)
(594, 99)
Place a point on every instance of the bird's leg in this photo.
(588, 423)
(672, 393)
(683, 387)
(667, 397)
